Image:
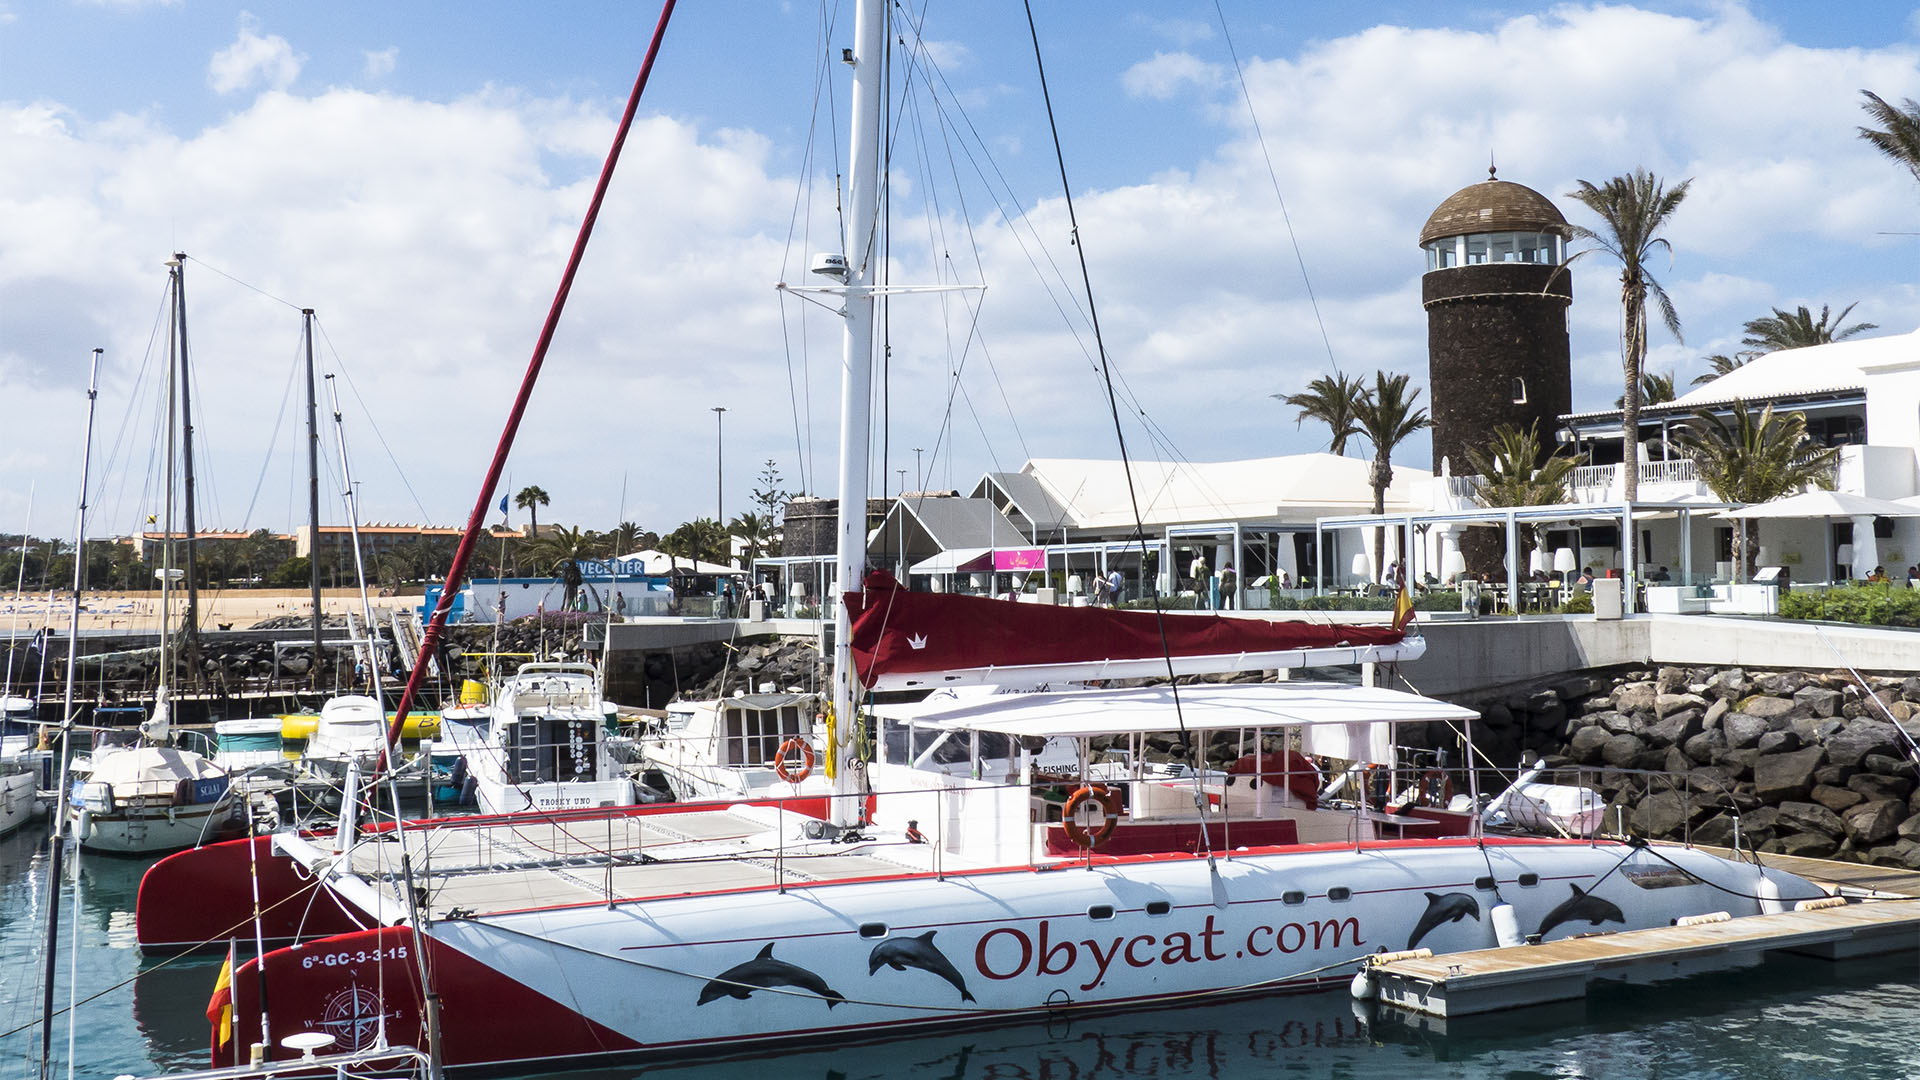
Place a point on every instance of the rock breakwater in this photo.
(1809, 763)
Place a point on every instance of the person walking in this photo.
(1115, 583)
(1202, 575)
(1229, 581)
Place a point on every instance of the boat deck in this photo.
(532, 863)
(1490, 980)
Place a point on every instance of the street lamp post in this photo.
(919, 481)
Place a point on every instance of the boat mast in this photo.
(856, 379)
(159, 720)
(352, 501)
(57, 850)
(313, 495)
(186, 437)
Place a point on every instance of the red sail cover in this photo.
(896, 630)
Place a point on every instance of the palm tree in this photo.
(1656, 388)
(1386, 415)
(1719, 364)
(1329, 399)
(626, 537)
(1747, 459)
(1796, 329)
(1633, 210)
(531, 499)
(756, 530)
(695, 540)
(1900, 139)
(1512, 474)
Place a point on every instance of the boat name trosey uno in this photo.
(1008, 952)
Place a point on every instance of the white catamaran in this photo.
(972, 864)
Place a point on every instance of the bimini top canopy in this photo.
(1149, 709)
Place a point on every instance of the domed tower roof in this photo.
(1491, 206)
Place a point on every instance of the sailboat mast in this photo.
(186, 461)
(352, 501)
(313, 495)
(161, 692)
(58, 850)
(856, 381)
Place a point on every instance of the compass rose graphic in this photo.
(353, 1017)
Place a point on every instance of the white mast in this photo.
(351, 499)
(856, 378)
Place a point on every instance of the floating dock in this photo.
(1491, 980)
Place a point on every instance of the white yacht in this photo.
(546, 747)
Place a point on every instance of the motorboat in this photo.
(745, 746)
(239, 745)
(350, 729)
(544, 748)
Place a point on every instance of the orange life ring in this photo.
(783, 761)
(1076, 832)
(1435, 788)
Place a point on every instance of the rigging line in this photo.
(1272, 175)
(973, 241)
(109, 464)
(244, 284)
(1113, 406)
(801, 218)
(340, 365)
(273, 441)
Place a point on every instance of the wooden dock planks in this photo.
(1488, 980)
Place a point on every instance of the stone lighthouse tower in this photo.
(1496, 296)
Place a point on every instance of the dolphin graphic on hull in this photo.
(1443, 908)
(920, 952)
(1581, 907)
(761, 972)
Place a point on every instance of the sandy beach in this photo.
(235, 609)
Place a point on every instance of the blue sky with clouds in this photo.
(416, 171)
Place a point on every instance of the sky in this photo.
(416, 174)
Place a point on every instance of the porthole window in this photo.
(1293, 896)
(1339, 893)
(1483, 883)
(1529, 880)
(1100, 912)
(1158, 907)
(873, 930)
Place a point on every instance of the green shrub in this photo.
(1865, 604)
(1577, 604)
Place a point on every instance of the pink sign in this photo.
(1020, 559)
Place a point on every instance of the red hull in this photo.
(201, 898)
(356, 983)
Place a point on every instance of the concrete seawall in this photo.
(1467, 655)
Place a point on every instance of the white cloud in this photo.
(1168, 74)
(252, 60)
(429, 235)
(380, 62)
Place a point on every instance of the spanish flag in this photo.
(220, 1009)
(1402, 608)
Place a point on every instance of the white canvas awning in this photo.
(1823, 504)
(658, 564)
(1149, 709)
(958, 560)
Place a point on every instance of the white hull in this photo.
(694, 975)
(498, 798)
(152, 831)
(19, 800)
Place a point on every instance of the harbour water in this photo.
(1791, 1018)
